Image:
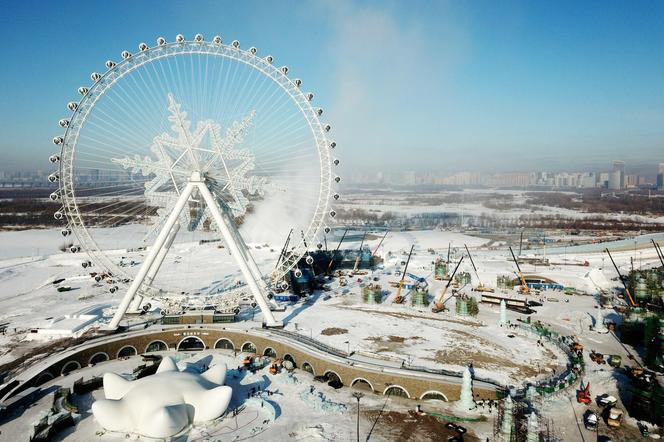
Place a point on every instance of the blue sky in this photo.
(461, 85)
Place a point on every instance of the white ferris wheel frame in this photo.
(198, 46)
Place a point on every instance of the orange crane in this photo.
(620, 276)
(399, 299)
(439, 303)
(524, 285)
(359, 256)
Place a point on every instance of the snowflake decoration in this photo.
(226, 168)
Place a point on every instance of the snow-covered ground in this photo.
(30, 261)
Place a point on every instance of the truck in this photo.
(615, 417)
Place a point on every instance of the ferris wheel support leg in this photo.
(241, 257)
(152, 256)
(154, 269)
(245, 252)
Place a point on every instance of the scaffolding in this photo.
(372, 294)
(419, 297)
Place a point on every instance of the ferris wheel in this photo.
(184, 142)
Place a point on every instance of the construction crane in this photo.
(329, 267)
(439, 302)
(359, 255)
(480, 286)
(380, 243)
(447, 266)
(524, 285)
(658, 249)
(399, 299)
(620, 276)
(284, 249)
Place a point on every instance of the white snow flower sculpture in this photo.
(164, 404)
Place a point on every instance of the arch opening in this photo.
(44, 377)
(191, 343)
(288, 357)
(248, 347)
(362, 384)
(434, 395)
(333, 379)
(156, 346)
(224, 344)
(69, 367)
(97, 358)
(270, 352)
(308, 368)
(126, 351)
(396, 390)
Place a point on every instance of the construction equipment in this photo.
(632, 303)
(447, 267)
(590, 421)
(359, 256)
(284, 249)
(480, 287)
(399, 299)
(606, 400)
(439, 302)
(658, 249)
(597, 358)
(615, 361)
(615, 417)
(329, 267)
(380, 244)
(583, 394)
(524, 285)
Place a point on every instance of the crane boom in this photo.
(473, 263)
(359, 254)
(380, 243)
(398, 298)
(284, 248)
(620, 276)
(329, 267)
(659, 252)
(524, 285)
(439, 303)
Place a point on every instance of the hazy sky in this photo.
(457, 85)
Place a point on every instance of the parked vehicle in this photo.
(615, 417)
(590, 421)
(607, 400)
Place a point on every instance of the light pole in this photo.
(357, 395)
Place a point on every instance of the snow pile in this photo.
(288, 378)
(319, 402)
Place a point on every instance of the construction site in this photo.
(545, 340)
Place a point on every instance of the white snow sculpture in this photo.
(506, 427)
(503, 313)
(164, 404)
(466, 401)
(599, 323)
(533, 428)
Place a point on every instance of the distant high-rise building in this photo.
(617, 177)
(660, 177)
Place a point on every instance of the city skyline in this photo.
(435, 85)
